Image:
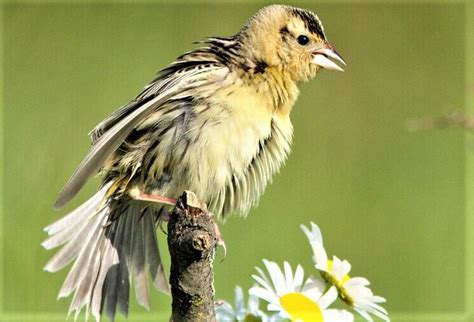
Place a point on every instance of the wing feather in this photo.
(162, 91)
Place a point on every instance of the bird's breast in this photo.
(225, 148)
(242, 142)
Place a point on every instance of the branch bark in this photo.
(192, 243)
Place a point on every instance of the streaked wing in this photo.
(172, 82)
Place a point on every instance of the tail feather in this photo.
(124, 292)
(96, 301)
(78, 272)
(80, 213)
(60, 238)
(108, 245)
(138, 265)
(81, 297)
(155, 267)
(71, 250)
(112, 281)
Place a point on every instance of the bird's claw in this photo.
(162, 218)
(220, 239)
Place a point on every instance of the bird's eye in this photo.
(302, 40)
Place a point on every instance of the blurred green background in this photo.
(394, 203)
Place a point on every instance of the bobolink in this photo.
(216, 122)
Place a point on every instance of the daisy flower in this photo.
(225, 311)
(352, 290)
(290, 298)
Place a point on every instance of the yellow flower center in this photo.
(301, 308)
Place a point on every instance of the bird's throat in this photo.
(276, 86)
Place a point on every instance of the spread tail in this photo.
(109, 241)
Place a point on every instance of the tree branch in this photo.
(192, 243)
(455, 119)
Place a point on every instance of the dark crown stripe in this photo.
(311, 22)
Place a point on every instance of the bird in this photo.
(216, 122)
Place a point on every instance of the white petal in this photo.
(276, 276)
(378, 299)
(263, 282)
(280, 315)
(298, 279)
(224, 311)
(320, 256)
(346, 267)
(239, 298)
(375, 307)
(364, 314)
(315, 239)
(358, 291)
(253, 304)
(288, 276)
(377, 311)
(328, 298)
(381, 315)
(357, 281)
(263, 275)
(274, 318)
(323, 267)
(337, 269)
(333, 315)
(314, 236)
(264, 294)
(274, 307)
(313, 288)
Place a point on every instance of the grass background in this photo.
(393, 202)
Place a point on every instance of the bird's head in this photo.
(289, 38)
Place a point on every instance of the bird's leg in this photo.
(164, 215)
(136, 194)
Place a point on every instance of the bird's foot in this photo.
(192, 201)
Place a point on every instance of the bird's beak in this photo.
(321, 58)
